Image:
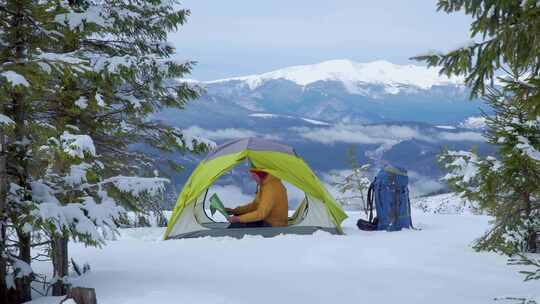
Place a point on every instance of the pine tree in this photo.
(23, 34)
(354, 185)
(503, 67)
(93, 75)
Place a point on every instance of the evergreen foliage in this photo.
(80, 82)
(354, 185)
(503, 67)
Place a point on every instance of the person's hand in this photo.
(233, 219)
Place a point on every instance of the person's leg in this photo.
(237, 225)
(256, 224)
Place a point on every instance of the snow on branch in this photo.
(190, 140)
(64, 58)
(136, 186)
(464, 166)
(22, 269)
(77, 174)
(93, 14)
(15, 79)
(86, 218)
(77, 145)
(5, 121)
(525, 146)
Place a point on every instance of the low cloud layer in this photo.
(462, 136)
(226, 134)
(420, 185)
(380, 134)
(361, 134)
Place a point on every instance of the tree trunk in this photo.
(60, 264)
(3, 217)
(531, 233)
(22, 285)
(532, 241)
(81, 295)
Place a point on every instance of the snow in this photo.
(99, 100)
(353, 74)
(464, 166)
(77, 174)
(525, 146)
(315, 122)
(433, 265)
(136, 185)
(113, 63)
(23, 268)
(77, 145)
(468, 44)
(134, 101)
(87, 218)
(82, 102)
(474, 122)
(199, 135)
(69, 58)
(446, 127)
(93, 14)
(4, 120)
(264, 115)
(270, 115)
(15, 78)
(447, 203)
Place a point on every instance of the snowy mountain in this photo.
(354, 75)
(345, 91)
(402, 114)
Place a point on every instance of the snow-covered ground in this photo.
(433, 265)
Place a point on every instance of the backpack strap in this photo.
(410, 215)
(395, 213)
(370, 201)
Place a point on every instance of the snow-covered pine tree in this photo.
(105, 72)
(503, 67)
(25, 34)
(506, 186)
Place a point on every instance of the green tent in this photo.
(318, 211)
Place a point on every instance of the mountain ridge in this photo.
(352, 75)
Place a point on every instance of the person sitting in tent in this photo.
(268, 209)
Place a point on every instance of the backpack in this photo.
(390, 194)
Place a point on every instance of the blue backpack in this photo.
(390, 194)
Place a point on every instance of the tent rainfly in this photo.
(318, 210)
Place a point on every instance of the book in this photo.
(217, 205)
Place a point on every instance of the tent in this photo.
(318, 210)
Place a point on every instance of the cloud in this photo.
(462, 136)
(221, 134)
(474, 122)
(362, 134)
(422, 185)
(384, 135)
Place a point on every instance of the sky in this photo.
(242, 37)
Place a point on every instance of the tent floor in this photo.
(221, 230)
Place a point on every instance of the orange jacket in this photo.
(270, 204)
